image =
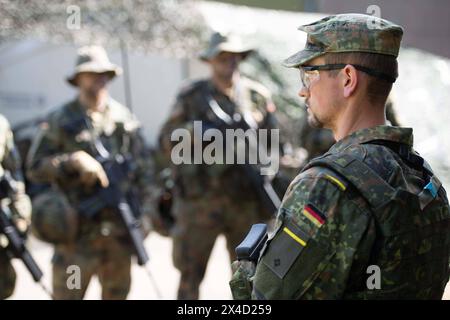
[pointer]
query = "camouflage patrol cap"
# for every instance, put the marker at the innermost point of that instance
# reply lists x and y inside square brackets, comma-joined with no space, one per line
[224,43]
[348,33]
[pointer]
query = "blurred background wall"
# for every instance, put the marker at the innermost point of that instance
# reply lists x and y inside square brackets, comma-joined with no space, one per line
[427,22]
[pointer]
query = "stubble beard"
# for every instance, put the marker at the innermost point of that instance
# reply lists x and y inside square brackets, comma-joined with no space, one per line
[313,121]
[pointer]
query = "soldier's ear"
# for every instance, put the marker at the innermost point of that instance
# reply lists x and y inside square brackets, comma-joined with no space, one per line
[349,78]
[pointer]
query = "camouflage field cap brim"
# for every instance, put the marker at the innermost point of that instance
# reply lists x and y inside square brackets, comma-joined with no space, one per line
[225,43]
[347,33]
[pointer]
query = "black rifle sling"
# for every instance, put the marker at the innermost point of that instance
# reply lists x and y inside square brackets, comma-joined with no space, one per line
[264,188]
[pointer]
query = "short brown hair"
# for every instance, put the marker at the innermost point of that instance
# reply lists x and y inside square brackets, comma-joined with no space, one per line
[377,89]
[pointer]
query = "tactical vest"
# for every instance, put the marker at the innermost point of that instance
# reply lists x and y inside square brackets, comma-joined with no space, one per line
[412,243]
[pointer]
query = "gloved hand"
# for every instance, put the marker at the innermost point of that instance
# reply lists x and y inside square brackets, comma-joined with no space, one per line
[241,283]
[90,171]
[22,225]
[21,205]
[49,168]
[157,207]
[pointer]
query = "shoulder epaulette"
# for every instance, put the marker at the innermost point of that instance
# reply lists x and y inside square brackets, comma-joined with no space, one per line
[334,179]
[368,183]
[328,174]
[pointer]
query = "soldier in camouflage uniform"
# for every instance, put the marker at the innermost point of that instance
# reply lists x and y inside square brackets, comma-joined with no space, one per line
[213,199]
[369,219]
[64,155]
[19,203]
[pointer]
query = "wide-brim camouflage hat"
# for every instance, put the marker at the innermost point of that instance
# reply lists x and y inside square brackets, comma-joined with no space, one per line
[225,43]
[348,33]
[93,59]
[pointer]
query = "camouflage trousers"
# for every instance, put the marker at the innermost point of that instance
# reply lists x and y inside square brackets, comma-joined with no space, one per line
[7,276]
[100,248]
[199,222]
[107,257]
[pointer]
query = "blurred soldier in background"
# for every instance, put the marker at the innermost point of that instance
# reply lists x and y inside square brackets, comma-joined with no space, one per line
[19,204]
[64,154]
[213,199]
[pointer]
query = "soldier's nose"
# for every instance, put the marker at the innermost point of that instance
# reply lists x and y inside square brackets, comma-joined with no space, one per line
[103,79]
[303,93]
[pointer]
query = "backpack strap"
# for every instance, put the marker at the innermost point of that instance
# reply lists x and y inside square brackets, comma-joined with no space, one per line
[414,160]
[374,189]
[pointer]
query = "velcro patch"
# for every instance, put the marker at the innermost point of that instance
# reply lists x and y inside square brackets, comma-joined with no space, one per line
[284,249]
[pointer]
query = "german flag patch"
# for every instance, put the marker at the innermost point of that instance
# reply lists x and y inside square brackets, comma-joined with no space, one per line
[314,215]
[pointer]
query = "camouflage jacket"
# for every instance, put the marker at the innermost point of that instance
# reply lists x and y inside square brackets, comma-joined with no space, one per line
[71,128]
[19,203]
[379,231]
[192,105]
